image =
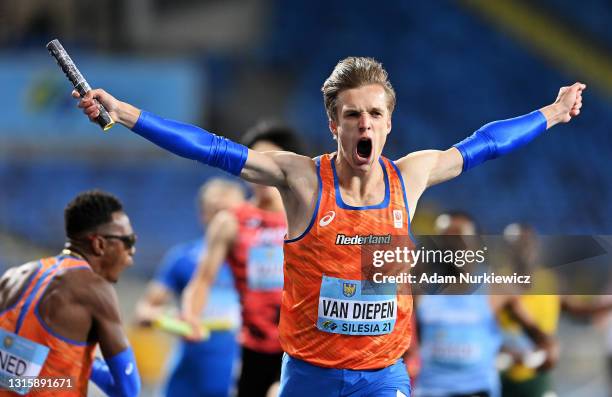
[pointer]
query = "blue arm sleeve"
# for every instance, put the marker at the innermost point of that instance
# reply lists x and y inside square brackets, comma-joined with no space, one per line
[500,137]
[118,377]
[192,142]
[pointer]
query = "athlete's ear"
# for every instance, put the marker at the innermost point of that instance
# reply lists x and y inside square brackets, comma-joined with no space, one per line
[389,125]
[333,127]
[97,244]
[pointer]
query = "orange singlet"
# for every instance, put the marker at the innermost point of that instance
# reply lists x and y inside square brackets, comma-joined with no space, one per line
[325,318]
[66,358]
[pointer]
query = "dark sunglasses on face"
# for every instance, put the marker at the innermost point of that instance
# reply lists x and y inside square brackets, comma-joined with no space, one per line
[129,240]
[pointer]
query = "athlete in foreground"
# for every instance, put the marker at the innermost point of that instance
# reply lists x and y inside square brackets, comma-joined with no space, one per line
[334,198]
[67,305]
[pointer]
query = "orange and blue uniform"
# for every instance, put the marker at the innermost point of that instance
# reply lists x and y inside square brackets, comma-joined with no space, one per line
[66,358]
[328,319]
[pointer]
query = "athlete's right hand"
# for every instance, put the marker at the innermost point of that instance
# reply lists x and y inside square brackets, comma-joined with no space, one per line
[147,315]
[197,334]
[90,108]
[120,112]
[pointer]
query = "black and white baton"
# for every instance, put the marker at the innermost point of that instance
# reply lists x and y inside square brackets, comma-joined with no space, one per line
[78,81]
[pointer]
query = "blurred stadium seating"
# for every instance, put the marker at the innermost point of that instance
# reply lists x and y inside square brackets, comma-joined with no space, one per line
[452,70]
[158,196]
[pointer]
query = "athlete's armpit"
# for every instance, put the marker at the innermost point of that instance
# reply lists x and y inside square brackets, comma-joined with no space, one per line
[103,305]
[295,177]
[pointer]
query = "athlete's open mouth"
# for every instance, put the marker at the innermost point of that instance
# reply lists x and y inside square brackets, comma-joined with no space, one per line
[364,148]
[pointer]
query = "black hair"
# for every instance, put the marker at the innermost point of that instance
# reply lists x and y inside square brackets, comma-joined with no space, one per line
[274,132]
[89,210]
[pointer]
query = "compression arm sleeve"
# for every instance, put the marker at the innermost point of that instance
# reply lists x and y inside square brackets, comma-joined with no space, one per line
[118,376]
[500,137]
[192,142]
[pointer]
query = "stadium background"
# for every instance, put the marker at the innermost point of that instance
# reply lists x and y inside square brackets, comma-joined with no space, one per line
[226,64]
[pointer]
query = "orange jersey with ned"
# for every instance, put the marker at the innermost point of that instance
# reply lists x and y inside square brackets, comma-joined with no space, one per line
[328,318]
[66,358]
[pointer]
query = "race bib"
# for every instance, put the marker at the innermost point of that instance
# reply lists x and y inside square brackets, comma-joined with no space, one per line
[344,310]
[19,358]
[456,347]
[265,267]
[223,306]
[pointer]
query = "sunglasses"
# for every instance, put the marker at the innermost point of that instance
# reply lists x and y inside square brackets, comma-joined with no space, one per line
[129,240]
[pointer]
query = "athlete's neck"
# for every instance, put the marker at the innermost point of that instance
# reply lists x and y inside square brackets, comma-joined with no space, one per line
[71,250]
[72,253]
[74,250]
[360,187]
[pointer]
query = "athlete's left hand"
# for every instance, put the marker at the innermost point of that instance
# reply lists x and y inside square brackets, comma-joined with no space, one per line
[551,347]
[569,101]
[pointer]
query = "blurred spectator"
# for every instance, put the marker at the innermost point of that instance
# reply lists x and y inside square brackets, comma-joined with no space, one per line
[250,237]
[199,368]
[521,378]
[459,335]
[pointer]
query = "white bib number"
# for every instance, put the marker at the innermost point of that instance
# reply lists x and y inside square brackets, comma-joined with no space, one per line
[265,267]
[19,358]
[344,310]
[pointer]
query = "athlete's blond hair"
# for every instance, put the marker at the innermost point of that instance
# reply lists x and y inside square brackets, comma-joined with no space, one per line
[354,72]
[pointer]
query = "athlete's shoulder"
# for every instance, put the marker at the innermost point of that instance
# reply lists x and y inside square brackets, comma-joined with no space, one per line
[294,163]
[184,249]
[416,158]
[89,288]
[14,281]
[301,173]
[18,272]
[324,159]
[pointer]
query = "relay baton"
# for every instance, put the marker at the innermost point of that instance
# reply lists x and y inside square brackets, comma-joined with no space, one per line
[78,81]
[176,326]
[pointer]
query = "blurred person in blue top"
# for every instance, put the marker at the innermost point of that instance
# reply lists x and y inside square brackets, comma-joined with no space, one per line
[459,334]
[202,369]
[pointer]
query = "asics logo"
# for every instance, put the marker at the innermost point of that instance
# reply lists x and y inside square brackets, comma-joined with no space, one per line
[326,220]
[129,369]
